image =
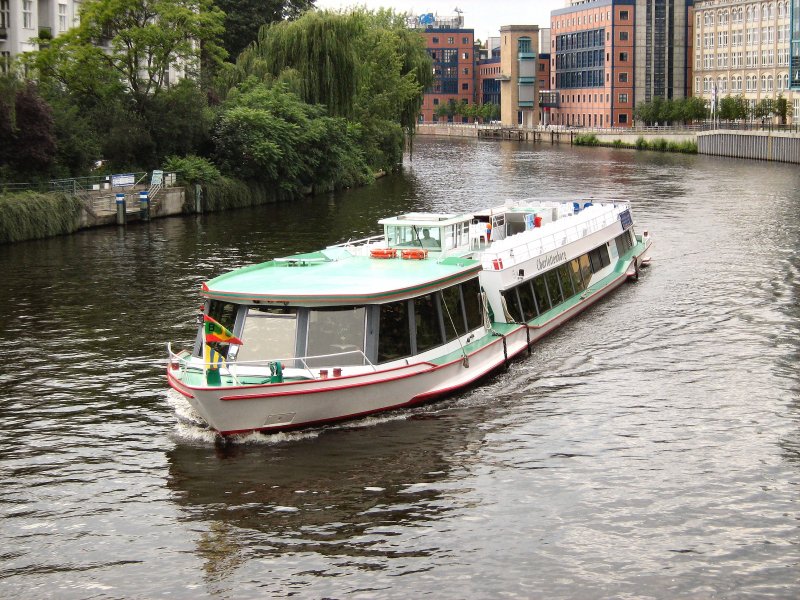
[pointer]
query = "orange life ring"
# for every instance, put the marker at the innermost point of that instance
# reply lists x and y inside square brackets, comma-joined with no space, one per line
[383,253]
[414,254]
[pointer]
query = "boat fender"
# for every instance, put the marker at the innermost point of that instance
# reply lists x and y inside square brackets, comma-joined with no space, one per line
[635,269]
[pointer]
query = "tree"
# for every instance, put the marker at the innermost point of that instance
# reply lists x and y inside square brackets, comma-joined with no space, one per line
[728,109]
[133,44]
[320,46]
[695,109]
[783,108]
[33,143]
[243,19]
[763,109]
[269,135]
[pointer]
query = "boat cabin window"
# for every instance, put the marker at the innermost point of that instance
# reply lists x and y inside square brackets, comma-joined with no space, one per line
[336,335]
[394,340]
[431,316]
[223,313]
[599,258]
[428,323]
[268,334]
[414,236]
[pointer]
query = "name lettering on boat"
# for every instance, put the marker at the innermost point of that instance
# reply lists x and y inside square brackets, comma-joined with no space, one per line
[548,260]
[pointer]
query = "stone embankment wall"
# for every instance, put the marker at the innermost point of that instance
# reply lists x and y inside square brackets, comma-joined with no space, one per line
[783,146]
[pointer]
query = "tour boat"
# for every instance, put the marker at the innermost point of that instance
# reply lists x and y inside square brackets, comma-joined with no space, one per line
[433,304]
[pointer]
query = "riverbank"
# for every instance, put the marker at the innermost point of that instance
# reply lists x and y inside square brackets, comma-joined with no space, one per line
[769,145]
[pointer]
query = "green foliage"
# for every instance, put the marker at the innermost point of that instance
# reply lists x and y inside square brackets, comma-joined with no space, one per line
[586,140]
[32,215]
[192,169]
[269,135]
[142,39]
[641,143]
[226,193]
[664,111]
[320,46]
[243,19]
[782,108]
[617,144]
[29,143]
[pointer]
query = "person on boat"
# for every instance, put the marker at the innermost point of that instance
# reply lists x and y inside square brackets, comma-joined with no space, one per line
[427,240]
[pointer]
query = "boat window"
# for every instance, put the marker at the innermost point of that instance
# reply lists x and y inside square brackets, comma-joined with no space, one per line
[540,291]
[527,299]
[512,303]
[426,319]
[413,236]
[453,314]
[337,331]
[575,275]
[566,281]
[449,237]
[225,314]
[553,288]
[471,292]
[599,258]
[394,335]
[624,242]
[268,334]
[586,270]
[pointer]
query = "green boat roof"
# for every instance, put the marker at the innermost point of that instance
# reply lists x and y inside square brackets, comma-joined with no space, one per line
[335,276]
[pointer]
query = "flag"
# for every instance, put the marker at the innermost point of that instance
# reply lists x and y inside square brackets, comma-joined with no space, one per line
[214,332]
[214,359]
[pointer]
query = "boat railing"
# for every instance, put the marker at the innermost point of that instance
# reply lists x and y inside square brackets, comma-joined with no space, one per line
[183,362]
[360,242]
[510,251]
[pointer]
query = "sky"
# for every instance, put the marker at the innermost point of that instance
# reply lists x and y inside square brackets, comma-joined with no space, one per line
[484,16]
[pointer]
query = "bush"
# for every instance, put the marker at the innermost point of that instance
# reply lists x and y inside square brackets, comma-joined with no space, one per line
[586,140]
[192,169]
[34,215]
[641,143]
[617,144]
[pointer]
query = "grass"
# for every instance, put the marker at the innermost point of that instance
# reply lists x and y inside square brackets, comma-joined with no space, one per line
[34,215]
[657,144]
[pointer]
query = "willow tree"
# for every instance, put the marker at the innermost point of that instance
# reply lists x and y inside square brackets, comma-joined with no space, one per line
[321,47]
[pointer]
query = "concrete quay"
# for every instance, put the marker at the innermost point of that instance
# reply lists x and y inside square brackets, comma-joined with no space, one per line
[773,145]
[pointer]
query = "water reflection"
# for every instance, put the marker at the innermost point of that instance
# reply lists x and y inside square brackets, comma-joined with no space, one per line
[350,493]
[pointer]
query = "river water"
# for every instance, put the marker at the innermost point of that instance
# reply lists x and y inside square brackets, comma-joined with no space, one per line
[648,449]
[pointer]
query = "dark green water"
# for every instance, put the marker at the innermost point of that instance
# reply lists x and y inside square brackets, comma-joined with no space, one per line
[650,448]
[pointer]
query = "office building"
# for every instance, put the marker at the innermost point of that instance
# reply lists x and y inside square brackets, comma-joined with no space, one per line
[608,55]
[747,48]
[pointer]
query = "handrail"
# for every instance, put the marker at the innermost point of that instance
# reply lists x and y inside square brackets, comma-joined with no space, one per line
[266,362]
[528,248]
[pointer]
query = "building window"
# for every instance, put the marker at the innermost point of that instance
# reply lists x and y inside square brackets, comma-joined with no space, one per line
[62,17]
[451,40]
[623,57]
[466,70]
[435,101]
[5,62]
[435,40]
[4,14]
[623,119]
[623,15]
[464,86]
[465,56]
[27,14]
[465,40]
[623,36]
[623,98]
[623,78]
